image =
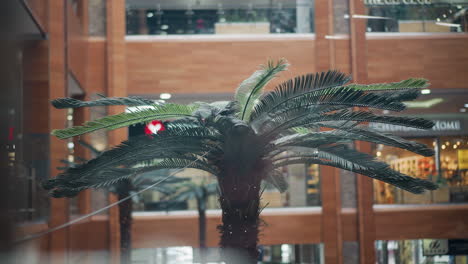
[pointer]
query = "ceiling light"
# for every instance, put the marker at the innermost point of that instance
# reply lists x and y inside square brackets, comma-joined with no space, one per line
[424,104]
[425,91]
[165,96]
[463,110]
[466,105]
[150,14]
[443,147]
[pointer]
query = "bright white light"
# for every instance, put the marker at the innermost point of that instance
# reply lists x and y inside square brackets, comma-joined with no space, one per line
[154,128]
[69,117]
[425,91]
[466,105]
[443,147]
[164,27]
[379,153]
[438,19]
[165,96]
[455,146]
[445,24]
[70,145]
[463,110]
[150,14]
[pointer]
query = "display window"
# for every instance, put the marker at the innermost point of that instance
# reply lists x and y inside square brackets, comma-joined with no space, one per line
[434,16]
[448,168]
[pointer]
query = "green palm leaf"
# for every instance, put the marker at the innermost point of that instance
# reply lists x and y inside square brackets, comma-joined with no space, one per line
[62,103]
[162,112]
[349,134]
[412,83]
[342,157]
[251,88]
[296,88]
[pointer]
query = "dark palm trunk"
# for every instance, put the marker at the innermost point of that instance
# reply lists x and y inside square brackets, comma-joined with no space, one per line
[240,200]
[125,218]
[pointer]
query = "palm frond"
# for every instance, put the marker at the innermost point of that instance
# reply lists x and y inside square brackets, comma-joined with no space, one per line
[349,134]
[251,88]
[302,118]
[342,157]
[412,83]
[300,86]
[162,112]
[62,103]
[277,179]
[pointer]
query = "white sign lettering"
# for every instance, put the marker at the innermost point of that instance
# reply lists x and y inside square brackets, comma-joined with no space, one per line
[397,2]
[440,125]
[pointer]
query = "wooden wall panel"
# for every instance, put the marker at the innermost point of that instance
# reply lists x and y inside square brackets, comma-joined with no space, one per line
[192,66]
[441,58]
[158,230]
[96,72]
[428,221]
[76,46]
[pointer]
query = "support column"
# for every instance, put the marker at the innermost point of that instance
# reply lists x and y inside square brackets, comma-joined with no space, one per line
[116,86]
[58,243]
[365,199]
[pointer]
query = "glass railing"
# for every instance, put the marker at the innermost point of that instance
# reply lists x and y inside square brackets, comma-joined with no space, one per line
[168,17]
[442,16]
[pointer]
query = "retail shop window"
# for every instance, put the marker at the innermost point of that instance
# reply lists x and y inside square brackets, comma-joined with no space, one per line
[169,17]
[428,251]
[448,168]
[416,16]
[284,253]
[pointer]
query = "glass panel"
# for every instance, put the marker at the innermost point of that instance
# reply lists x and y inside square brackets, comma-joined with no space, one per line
[427,251]
[219,17]
[417,16]
[447,167]
[285,254]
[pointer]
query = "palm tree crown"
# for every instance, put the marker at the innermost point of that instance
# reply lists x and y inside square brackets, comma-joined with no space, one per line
[308,119]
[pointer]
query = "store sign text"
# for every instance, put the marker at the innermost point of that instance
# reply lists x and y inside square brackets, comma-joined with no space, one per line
[439,125]
[397,2]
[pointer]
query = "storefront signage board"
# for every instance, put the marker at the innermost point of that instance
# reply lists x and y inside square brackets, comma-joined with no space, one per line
[442,127]
[434,247]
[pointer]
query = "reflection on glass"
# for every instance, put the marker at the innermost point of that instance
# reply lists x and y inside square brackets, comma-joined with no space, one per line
[448,168]
[285,253]
[417,16]
[219,17]
[427,251]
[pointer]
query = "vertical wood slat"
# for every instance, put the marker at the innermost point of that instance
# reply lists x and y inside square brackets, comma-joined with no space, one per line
[332,235]
[330,184]
[324,53]
[366,219]
[58,242]
[116,86]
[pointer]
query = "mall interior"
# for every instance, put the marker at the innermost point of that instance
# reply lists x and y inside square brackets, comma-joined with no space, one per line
[183,51]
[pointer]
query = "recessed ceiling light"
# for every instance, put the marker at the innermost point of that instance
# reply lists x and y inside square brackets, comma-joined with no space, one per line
[165,96]
[463,110]
[425,91]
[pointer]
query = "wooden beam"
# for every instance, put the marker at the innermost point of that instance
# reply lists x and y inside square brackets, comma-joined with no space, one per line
[57,119]
[332,235]
[324,48]
[116,86]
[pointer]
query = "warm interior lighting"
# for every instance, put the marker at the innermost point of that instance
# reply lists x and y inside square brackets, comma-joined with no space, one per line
[425,91]
[165,96]
[445,24]
[443,147]
[455,146]
[379,153]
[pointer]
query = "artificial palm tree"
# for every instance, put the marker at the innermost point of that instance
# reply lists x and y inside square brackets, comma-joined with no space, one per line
[245,141]
[185,191]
